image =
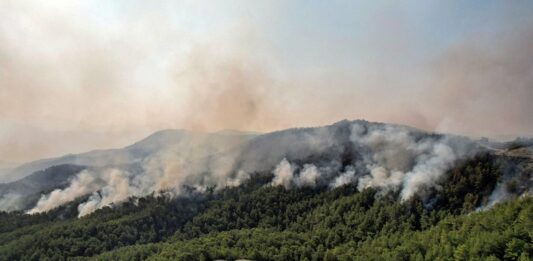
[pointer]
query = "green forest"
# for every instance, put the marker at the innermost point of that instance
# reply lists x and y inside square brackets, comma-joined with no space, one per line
[261,222]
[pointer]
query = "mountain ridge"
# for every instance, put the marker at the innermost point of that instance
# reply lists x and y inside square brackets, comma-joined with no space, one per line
[335,192]
[344,151]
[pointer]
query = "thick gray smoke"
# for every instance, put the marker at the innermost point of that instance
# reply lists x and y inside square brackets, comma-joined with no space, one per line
[397,159]
[106,187]
[175,159]
[84,183]
[11,202]
[284,175]
[344,178]
[389,158]
[517,178]
[117,189]
[111,186]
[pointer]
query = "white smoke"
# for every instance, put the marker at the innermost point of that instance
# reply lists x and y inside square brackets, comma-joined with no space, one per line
[238,179]
[291,176]
[283,174]
[85,182]
[381,178]
[399,159]
[117,189]
[428,170]
[11,202]
[308,176]
[345,178]
[161,173]
[516,181]
[499,194]
[389,158]
[107,186]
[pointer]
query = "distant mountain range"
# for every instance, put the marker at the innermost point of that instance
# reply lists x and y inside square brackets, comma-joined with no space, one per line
[165,140]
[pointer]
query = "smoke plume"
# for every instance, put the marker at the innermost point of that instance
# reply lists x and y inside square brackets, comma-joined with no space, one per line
[105,78]
[11,202]
[390,158]
[82,184]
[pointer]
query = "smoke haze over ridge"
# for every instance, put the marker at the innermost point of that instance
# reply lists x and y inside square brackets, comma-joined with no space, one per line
[389,158]
[82,76]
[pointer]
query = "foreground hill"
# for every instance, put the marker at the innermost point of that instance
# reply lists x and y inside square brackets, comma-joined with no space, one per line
[262,222]
[350,190]
[498,234]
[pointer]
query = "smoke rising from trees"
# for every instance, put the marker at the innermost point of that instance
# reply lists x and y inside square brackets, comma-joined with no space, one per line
[390,158]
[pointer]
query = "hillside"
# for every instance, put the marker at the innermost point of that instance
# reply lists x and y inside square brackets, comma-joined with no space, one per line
[24,193]
[261,222]
[351,190]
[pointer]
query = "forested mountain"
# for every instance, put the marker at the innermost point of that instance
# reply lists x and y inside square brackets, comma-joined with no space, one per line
[348,191]
[262,222]
[240,130]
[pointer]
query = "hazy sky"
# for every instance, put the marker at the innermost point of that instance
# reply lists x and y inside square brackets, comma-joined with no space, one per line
[79,75]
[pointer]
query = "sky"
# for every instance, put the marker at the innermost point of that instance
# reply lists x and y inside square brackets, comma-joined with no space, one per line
[83,75]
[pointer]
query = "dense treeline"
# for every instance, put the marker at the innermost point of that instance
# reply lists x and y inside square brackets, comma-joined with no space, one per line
[502,233]
[258,221]
[138,221]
